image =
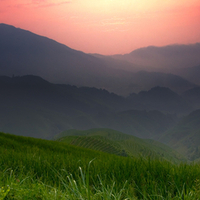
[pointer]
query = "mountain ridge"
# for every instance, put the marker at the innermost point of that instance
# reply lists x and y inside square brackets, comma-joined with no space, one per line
[164,58]
[23,53]
[42,109]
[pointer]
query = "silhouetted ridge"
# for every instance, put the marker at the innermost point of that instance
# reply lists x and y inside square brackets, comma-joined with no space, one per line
[161,98]
[28,79]
[32,106]
[170,58]
[23,53]
[159,94]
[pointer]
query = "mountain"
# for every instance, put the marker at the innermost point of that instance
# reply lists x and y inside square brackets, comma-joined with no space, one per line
[164,59]
[140,123]
[144,80]
[190,73]
[193,97]
[185,136]
[115,142]
[162,99]
[32,106]
[24,53]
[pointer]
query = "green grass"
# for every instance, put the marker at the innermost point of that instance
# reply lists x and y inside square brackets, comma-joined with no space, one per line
[40,169]
[115,142]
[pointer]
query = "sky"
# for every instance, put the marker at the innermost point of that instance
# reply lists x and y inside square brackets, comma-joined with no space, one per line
[107,26]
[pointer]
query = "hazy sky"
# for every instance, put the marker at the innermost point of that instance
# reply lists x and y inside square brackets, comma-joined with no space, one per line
[107,26]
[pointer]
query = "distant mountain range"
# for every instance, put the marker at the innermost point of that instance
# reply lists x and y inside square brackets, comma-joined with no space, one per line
[34,107]
[164,59]
[24,53]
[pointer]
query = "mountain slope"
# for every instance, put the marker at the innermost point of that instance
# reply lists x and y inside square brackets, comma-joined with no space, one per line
[191,73]
[166,58]
[185,136]
[34,107]
[162,99]
[144,80]
[23,52]
[115,142]
[193,97]
[140,123]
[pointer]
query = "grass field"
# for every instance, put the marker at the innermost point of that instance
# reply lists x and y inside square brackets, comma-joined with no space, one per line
[40,169]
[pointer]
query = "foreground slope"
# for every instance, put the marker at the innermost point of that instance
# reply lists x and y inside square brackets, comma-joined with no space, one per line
[185,136]
[39,169]
[115,142]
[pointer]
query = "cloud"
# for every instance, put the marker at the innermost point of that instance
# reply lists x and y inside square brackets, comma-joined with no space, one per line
[36,3]
[119,24]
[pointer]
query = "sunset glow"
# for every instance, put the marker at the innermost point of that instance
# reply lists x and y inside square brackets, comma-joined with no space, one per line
[107,26]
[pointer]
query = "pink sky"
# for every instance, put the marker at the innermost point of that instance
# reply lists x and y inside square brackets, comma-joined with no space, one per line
[107,26]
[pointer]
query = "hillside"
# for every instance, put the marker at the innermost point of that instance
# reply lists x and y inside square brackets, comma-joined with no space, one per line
[193,97]
[165,58]
[185,137]
[191,73]
[55,62]
[162,99]
[140,123]
[34,107]
[144,80]
[41,169]
[115,142]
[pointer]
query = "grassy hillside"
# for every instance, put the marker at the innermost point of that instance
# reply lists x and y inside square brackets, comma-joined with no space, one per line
[115,142]
[39,169]
[185,136]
